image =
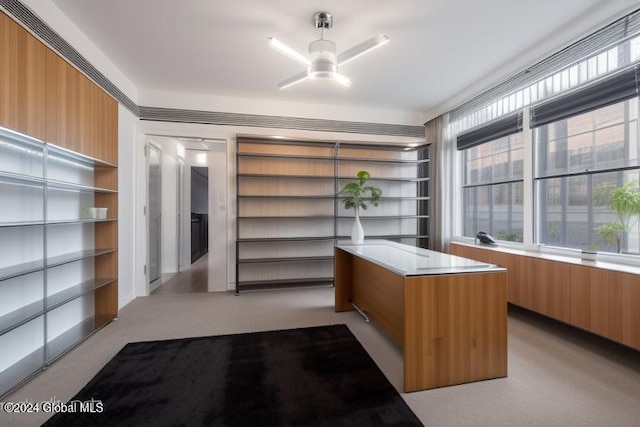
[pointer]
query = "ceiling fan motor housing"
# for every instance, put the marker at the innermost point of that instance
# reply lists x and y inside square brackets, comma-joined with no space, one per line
[323,20]
[324,62]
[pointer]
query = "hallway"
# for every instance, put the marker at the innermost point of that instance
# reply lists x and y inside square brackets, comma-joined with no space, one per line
[192,280]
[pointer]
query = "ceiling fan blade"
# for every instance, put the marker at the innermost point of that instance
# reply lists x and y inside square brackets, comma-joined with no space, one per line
[293,80]
[362,48]
[343,80]
[286,50]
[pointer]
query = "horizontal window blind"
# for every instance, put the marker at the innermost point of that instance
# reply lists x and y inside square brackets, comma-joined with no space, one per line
[610,90]
[611,35]
[493,130]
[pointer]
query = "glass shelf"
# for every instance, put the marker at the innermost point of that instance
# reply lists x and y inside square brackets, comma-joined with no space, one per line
[20,179]
[70,186]
[69,339]
[385,217]
[287,259]
[285,283]
[76,256]
[285,156]
[286,197]
[21,269]
[278,176]
[374,160]
[63,297]
[351,178]
[257,218]
[21,224]
[285,239]
[78,221]
[60,152]
[21,371]
[19,317]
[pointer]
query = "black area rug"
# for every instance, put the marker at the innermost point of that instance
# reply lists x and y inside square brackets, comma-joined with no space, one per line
[318,376]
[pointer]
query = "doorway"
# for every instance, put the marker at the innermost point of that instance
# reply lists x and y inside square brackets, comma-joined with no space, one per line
[199,212]
[194,215]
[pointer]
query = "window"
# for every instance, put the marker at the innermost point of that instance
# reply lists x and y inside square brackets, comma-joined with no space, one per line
[493,179]
[578,158]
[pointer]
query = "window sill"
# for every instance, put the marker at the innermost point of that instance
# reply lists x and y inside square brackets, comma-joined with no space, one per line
[614,262]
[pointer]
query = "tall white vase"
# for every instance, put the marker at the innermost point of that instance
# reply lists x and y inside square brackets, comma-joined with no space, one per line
[357,232]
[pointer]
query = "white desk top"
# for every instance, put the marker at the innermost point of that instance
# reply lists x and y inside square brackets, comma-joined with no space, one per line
[406,260]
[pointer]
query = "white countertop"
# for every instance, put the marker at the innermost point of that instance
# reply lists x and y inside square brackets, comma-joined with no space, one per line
[406,260]
[619,267]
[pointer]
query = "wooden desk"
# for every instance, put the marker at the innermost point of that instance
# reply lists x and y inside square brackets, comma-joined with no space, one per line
[448,313]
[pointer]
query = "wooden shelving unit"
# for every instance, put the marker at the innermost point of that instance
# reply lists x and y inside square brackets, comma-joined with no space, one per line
[289,213]
[58,156]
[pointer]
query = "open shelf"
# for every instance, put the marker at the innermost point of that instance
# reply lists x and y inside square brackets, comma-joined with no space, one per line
[286,283]
[375,160]
[21,316]
[76,256]
[21,371]
[69,339]
[288,259]
[63,297]
[39,181]
[21,269]
[289,197]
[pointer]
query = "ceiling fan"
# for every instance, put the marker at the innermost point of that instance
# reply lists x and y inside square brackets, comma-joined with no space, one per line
[323,61]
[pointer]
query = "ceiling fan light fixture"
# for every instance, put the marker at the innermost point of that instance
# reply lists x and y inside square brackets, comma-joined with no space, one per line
[323,60]
[286,50]
[343,80]
[362,48]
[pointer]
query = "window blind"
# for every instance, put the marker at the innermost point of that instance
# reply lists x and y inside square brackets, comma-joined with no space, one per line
[610,90]
[614,33]
[493,130]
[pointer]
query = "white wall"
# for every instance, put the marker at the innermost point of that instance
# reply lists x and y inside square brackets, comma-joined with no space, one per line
[127,261]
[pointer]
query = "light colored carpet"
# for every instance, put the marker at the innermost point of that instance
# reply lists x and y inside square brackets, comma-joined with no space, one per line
[558,376]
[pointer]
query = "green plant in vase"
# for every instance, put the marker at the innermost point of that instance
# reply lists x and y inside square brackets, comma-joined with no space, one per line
[359,195]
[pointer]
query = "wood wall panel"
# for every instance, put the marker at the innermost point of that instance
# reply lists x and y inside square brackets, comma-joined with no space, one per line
[22,79]
[80,116]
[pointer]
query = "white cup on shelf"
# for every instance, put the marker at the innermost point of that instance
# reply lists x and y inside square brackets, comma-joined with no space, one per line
[102,213]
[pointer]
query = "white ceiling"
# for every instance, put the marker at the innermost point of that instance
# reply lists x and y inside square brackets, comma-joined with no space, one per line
[441,51]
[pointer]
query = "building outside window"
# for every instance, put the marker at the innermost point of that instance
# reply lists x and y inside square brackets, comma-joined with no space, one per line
[576,158]
[492,191]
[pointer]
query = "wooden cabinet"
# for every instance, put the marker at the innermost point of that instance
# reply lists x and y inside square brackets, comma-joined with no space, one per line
[550,288]
[22,79]
[631,310]
[599,300]
[596,300]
